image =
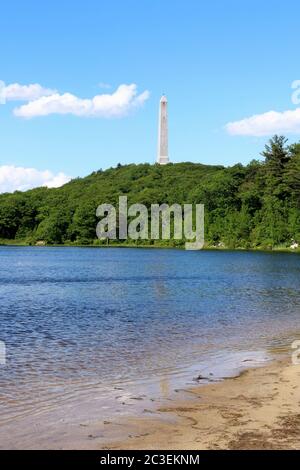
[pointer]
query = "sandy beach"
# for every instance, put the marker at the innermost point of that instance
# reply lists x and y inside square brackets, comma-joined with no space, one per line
[260,409]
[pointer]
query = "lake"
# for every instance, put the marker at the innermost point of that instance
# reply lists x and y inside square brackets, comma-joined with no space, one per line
[105,331]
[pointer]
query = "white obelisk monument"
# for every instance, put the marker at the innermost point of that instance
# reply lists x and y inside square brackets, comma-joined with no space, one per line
[163,155]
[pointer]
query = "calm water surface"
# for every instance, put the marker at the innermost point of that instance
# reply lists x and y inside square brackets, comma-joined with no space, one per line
[89,324]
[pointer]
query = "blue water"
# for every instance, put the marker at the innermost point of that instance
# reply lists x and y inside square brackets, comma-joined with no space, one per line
[79,321]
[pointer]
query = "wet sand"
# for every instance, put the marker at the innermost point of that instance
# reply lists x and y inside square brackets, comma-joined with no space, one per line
[260,409]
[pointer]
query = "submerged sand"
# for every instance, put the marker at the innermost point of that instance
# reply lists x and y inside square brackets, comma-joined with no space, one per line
[260,409]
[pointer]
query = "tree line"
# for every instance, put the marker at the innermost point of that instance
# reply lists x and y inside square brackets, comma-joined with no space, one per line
[246,206]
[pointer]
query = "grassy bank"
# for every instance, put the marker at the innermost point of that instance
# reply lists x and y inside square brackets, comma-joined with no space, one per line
[207,247]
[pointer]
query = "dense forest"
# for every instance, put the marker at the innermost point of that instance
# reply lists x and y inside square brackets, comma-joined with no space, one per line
[253,206]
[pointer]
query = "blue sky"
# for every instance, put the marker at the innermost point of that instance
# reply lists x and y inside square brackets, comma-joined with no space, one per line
[218,62]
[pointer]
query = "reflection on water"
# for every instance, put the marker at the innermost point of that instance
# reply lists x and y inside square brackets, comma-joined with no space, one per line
[76,321]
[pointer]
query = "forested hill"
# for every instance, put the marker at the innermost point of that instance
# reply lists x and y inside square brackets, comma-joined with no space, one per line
[257,205]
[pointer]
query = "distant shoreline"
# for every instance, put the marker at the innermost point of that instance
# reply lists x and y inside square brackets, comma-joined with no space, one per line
[276,249]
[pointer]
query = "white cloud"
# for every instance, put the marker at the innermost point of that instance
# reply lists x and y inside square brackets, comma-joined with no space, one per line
[17,92]
[14,178]
[117,104]
[269,123]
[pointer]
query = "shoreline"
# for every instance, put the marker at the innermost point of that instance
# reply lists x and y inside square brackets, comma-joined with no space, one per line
[258,409]
[153,247]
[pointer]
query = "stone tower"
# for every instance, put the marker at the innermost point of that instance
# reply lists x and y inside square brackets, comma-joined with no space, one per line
[163,154]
